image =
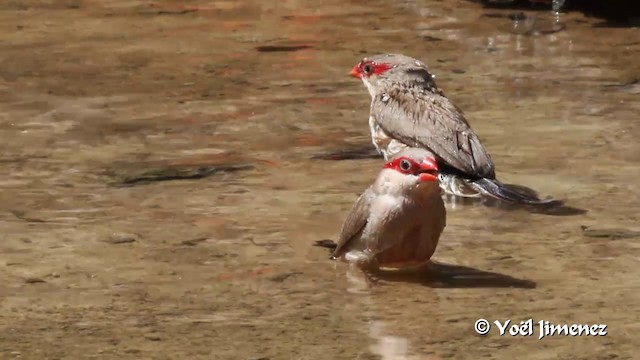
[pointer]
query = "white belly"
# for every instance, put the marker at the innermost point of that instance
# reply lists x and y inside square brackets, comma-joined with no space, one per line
[383,143]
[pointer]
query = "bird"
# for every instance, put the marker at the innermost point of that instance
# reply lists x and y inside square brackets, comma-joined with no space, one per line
[408,109]
[396,223]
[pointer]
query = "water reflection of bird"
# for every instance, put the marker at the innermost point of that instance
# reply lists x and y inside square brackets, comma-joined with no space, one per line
[397,221]
[384,343]
[409,110]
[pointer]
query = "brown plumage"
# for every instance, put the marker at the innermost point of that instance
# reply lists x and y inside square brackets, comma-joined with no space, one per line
[397,221]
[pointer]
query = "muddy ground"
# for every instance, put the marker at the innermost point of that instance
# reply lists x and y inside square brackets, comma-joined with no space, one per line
[159,195]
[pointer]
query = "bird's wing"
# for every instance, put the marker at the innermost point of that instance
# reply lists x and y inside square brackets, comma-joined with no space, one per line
[355,222]
[426,119]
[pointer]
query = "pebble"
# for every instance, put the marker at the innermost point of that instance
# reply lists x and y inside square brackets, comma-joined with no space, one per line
[194,242]
[122,238]
[33,280]
[152,337]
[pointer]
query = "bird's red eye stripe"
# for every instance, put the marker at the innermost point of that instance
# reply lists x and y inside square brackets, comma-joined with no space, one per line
[372,68]
[403,165]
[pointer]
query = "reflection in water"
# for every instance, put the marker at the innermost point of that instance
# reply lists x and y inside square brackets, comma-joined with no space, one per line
[389,347]
[557,5]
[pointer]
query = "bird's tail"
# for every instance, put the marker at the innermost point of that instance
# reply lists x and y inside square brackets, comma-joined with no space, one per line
[329,244]
[500,191]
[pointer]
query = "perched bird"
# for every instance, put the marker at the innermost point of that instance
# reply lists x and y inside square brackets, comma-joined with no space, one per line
[396,223]
[409,110]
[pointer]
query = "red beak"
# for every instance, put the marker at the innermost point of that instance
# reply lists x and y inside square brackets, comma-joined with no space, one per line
[428,170]
[355,72]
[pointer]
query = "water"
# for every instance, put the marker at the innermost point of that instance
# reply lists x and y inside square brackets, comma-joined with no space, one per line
[222,266]
[556,5]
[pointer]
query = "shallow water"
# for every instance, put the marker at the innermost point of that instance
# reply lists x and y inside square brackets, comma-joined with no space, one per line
[93,94]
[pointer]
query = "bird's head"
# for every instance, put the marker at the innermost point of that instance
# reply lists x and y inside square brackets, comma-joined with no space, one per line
[390,69]
[412,168]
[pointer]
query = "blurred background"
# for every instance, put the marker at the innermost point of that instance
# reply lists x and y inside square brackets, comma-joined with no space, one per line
[162,178]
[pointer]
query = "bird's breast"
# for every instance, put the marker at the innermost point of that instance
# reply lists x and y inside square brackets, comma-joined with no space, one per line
[386,206]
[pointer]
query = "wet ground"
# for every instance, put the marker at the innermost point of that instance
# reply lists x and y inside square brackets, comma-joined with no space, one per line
[228,101]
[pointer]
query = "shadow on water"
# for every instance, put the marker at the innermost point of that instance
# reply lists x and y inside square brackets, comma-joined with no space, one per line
[441,275]
[556,210]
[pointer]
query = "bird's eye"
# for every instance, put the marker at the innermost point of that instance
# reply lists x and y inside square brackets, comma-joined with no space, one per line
[405,165]
[367,69]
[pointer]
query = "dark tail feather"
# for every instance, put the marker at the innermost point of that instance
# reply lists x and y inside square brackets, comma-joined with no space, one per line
[329,244]
[500,191]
